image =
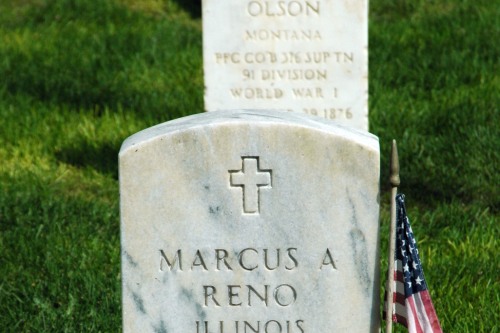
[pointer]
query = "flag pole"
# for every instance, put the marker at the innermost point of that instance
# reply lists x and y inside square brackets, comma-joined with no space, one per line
[395,181]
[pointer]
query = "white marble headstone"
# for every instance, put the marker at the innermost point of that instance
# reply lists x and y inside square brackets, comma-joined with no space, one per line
[300,55]
[250,221]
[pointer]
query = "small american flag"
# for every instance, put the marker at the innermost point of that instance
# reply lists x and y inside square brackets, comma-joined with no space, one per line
[412,302]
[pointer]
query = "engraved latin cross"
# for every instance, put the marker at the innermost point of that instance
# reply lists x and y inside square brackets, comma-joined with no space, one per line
[251,178]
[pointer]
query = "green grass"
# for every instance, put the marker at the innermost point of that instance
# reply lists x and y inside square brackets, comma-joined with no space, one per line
[78,77]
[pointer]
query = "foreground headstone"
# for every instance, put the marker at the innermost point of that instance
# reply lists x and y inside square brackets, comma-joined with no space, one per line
[250,221]
[302,56]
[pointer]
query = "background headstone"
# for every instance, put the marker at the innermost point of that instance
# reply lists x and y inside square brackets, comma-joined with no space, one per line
[250,221]
[303,56]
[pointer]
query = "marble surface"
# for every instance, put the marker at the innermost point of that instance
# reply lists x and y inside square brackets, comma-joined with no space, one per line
[250,221]
[302,56]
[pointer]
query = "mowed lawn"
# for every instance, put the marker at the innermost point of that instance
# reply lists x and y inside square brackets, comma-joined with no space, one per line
[77,77]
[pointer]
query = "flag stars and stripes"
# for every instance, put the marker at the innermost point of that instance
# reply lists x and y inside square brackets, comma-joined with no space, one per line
[413,306]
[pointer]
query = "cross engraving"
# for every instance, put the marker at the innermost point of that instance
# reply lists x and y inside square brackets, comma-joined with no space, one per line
[251,178]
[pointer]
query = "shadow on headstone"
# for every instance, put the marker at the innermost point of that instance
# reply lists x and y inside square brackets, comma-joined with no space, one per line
[193,7]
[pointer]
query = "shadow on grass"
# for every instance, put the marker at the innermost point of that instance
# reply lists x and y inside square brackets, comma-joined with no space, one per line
[193,7]
[101,157]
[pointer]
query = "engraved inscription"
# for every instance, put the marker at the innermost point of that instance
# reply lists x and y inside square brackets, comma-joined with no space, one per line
[283,8]
[251,178]
[306,56]
[241,294]
[237,295]
[243,326]
[286,35]
[270,57]
[247,259]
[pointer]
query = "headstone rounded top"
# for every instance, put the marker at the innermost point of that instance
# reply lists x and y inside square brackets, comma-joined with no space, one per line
[251,117]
